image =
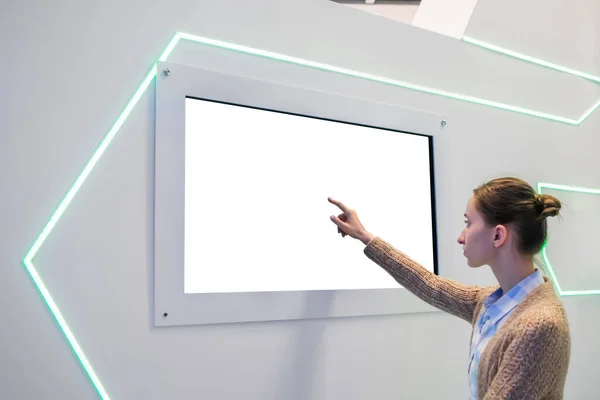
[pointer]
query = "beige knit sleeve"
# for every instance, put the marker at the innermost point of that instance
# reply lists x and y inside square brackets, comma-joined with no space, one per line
[444,294]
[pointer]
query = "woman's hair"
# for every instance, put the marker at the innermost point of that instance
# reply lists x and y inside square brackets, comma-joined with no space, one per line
[512,201]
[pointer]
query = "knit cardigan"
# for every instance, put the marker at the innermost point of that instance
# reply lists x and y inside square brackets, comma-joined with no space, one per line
[526,359]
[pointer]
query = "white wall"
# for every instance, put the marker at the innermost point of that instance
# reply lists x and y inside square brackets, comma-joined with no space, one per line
[398,12]
[446,17]
[68,69]
[557,31]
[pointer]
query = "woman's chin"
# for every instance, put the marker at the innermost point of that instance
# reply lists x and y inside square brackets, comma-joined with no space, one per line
[472,264]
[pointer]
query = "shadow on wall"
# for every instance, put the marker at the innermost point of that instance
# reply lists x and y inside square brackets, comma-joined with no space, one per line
[296,380]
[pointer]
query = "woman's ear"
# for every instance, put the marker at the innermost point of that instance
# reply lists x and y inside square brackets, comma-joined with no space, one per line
[500,235]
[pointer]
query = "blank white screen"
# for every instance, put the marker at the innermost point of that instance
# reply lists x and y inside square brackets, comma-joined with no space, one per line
[256,209]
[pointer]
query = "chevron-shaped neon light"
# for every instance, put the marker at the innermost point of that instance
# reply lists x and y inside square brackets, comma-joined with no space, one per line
[106,141]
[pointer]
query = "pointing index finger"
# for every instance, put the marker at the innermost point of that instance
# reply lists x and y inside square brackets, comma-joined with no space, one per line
[341,205]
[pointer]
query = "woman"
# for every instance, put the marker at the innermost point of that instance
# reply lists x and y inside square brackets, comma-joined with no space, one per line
[520,342]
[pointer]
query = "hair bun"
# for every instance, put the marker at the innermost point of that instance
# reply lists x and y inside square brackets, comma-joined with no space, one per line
[547,205]
[538,203]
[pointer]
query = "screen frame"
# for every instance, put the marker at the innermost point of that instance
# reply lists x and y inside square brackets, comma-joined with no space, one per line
[172,306]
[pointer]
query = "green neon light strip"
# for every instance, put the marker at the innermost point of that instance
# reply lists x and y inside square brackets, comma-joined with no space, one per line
[170,47]
[568,188]
[589,112]
[90,165]
[28,260]
[72,192]
[376,78]
[565,188]
[533,60]
[65,329]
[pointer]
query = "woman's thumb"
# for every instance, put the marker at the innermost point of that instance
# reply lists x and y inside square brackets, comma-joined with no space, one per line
[341,224]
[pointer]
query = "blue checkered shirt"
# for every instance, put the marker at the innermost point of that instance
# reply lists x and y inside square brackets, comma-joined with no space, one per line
[496,308]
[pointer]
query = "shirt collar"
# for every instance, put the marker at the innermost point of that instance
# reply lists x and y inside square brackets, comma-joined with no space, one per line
[498,304]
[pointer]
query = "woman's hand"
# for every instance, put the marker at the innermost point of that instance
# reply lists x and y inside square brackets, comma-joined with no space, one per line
[349,224]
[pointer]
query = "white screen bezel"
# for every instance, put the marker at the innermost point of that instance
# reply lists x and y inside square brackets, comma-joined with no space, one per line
[172,306]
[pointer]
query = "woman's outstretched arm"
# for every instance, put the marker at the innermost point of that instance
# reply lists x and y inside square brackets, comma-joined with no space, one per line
[444,294]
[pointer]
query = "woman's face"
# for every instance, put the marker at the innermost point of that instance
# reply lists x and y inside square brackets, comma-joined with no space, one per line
[477,238]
